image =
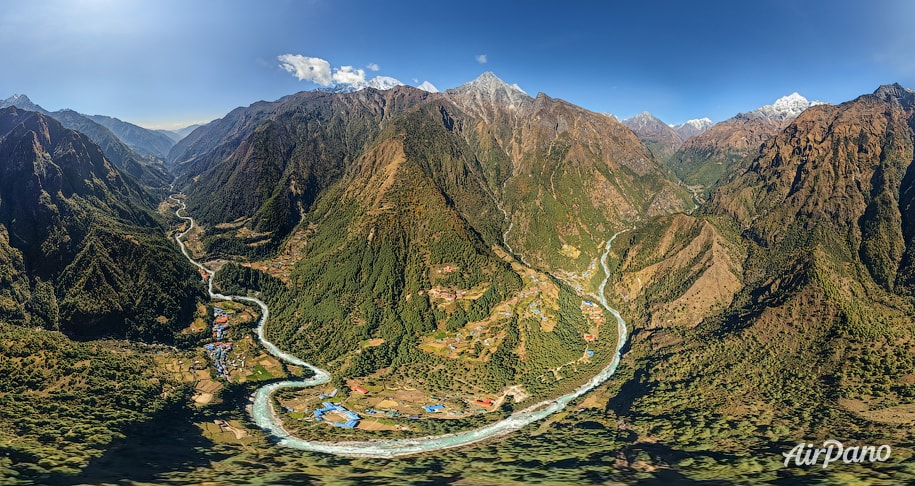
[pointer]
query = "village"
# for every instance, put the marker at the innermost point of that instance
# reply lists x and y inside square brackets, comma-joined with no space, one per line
[229,355]
[374,407]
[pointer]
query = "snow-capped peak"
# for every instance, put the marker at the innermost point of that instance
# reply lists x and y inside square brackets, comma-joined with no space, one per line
[378,82]
[691,128]
[381,82]
[517,88]
[427,86]
[786,107]
[699,123]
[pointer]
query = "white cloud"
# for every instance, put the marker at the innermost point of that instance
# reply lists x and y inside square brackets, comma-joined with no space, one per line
[481,58]
[344,78]
[349,75]
[373,66]
[304,68]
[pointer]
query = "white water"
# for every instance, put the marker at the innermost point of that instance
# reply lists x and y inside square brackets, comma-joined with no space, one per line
[266,418]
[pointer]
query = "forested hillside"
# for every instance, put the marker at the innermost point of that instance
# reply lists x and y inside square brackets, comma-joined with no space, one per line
[81,245]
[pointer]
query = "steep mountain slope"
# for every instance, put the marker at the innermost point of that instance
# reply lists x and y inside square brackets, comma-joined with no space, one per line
[842,174]
[146,168]
[660,138]
[705,158]
[270,161]
[786,309]
[397,255]
[145,142]
[73,221]
[566,177]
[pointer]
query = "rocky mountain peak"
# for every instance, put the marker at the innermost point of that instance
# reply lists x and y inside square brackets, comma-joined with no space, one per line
[642,120]
[21,101]
[896,92]
[491,85]
[488,95]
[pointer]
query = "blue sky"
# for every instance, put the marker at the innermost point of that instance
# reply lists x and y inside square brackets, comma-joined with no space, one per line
[165,62]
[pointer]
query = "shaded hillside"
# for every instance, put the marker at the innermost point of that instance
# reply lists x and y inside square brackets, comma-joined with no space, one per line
[269,162]
[146,168]
[81,239]
[150,143]
[67,403]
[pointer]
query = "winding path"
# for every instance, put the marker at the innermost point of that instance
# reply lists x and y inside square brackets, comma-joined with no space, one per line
[266,418]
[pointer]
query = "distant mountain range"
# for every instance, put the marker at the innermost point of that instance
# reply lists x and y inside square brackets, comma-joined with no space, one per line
[136,150]
[177,135]
[661,138]
[143,141]
[711,155]
[377,82]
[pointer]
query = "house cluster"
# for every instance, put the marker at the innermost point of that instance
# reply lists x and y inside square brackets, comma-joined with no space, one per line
[596,314]
[593,311]
[219,350]
[352,418]
[219,353]
[535,309]
[447,294]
